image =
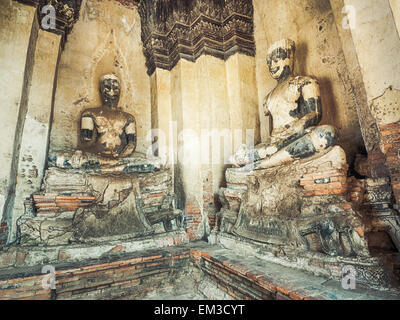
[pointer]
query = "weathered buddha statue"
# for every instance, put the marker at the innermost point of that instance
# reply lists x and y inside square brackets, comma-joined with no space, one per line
[295,108]
[106,130]
[107,134]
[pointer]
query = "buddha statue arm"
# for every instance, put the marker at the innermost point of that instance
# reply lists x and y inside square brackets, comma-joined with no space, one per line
[87,127]
[130,132]
[307,114]
[308,109]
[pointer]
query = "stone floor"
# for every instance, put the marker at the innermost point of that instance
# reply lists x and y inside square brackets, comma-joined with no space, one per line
[202,272]
[178,295]
[300,284]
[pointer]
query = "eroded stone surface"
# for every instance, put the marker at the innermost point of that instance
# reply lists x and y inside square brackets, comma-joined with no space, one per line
[124,204]
[302,206]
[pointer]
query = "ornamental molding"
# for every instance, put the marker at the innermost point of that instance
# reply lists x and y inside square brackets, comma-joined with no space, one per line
[175,29]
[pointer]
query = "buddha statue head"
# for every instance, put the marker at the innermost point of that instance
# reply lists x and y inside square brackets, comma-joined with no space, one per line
[110,89]
[281,59]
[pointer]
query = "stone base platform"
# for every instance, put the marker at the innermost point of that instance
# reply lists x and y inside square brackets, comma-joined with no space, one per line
[369,271]
[303,215]
[85,207]
[304,205]
[29,256]
[195,271]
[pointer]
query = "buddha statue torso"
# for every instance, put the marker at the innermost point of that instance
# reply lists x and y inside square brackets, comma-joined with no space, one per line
[113,127]
[107,134]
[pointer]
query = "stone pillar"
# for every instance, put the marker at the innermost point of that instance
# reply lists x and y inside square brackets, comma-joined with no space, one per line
[161,115]
[18,33]
[395,6]
[375,45]
[35,134]
[207,89]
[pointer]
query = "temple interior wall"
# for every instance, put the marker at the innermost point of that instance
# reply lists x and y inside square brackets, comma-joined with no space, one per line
[205,109]
[357,68]
[376,21]
[105,39]
[18,33]
[32,158]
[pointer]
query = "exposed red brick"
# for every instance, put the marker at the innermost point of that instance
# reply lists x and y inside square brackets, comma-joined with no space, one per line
[119,248]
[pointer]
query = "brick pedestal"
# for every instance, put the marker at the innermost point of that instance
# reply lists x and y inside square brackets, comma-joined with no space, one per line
[390,135]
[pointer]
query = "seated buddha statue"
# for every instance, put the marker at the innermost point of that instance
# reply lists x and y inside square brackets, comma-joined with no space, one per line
[295,108]
[107,134]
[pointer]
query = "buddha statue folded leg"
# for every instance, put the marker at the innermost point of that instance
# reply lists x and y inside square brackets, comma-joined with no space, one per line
[313,142]
[93,163]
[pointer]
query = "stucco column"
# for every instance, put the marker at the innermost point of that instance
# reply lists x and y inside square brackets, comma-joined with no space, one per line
[35,133]
[18,33]
[373,28]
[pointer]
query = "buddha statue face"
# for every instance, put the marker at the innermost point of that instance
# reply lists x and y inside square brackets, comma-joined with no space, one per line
[281,59]
[110,89]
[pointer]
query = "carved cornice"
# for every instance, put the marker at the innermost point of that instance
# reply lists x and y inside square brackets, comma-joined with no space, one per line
[175,29]
[129,3]
[67,12]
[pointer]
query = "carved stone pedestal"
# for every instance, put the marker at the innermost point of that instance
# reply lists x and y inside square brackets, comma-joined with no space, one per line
[297,211]
[78,206]
[378,207]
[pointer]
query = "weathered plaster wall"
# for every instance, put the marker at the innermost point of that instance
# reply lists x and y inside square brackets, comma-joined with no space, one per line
[367,121]
[395,6]
[35,133]
[205,109]
[105,39]
[377,44]
[18,32]
[319,53]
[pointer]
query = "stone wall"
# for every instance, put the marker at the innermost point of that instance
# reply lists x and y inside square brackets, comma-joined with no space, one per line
[375,44]
[114,278]
[33,152]
[105,39]
[18,33]
[203,272]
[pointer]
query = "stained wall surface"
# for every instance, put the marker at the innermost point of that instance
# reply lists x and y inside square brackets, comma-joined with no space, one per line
[105,39]
[311,25]
[35,133]
[17,37]
[206,110]
[377,43]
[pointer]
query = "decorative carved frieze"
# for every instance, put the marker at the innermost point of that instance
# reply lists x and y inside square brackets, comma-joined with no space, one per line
[129,3]
[175,29]
[66,14]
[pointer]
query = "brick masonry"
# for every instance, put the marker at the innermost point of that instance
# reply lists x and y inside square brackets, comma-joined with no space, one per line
[3,234]
[193,220]
[209,200]
[327,182]
[116,277]
[133,276]
[249,278]
[390,140]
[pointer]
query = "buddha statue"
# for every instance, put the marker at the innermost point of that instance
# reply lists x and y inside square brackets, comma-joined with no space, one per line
[108,137]
[106,130]
[295,107]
